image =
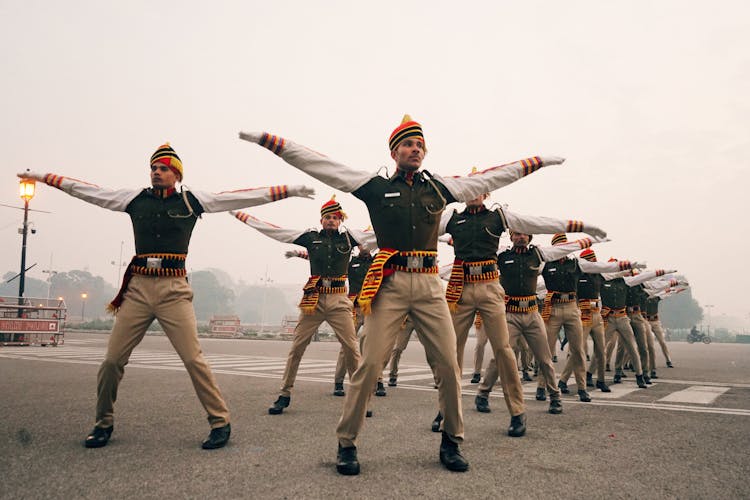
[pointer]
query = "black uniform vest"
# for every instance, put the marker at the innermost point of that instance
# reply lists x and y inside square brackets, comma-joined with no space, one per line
[329,252]
[519,271]
[358,267]
[589,285]
[405,217]
[162,225]
[561,275]
[614,293]
[475,236]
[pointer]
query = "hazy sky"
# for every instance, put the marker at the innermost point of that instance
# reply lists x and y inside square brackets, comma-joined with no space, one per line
[648,101]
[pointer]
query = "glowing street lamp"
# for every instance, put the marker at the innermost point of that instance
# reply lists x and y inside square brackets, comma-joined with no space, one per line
[83,306]
[26,190]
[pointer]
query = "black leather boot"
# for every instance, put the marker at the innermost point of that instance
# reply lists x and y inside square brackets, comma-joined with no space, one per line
[279,405]
[380,390]
[669,364]
[436,422]
[641,383]
[584,396]
[563,387]
[517,427]
[618,378]
[475,378]
[392,382]
[555,406]
[540,394]
[602,386]
[525,376]
[589,379]
[217,438]
[98,437]
[482,404]
[338,389]
[450,455]
[346,461]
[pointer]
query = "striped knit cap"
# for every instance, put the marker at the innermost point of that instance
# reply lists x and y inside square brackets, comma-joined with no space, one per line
[167,156]
[408,128]
[588,254]
[559,239]
[332,207]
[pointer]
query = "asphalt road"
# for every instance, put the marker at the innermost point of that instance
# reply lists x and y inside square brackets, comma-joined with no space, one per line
[654,443]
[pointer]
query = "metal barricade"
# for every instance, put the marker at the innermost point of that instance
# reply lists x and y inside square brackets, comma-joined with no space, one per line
[32,321]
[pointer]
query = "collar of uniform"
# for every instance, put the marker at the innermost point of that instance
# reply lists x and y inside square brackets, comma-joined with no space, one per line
[475,210]
[406,176]
[521,249]
[162,193]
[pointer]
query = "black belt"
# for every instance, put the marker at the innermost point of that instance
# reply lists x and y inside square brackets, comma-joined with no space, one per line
[487,268]
[521,303]
[413,262]
[157,263]
[566,296]
[331,283]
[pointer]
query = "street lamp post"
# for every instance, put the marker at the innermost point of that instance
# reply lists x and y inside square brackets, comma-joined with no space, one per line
[26,190]
[119,265]
[83,306]
[266,280]
[709,306]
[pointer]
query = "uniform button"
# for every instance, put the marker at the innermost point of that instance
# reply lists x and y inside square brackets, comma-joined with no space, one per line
[414,227]
[158,236]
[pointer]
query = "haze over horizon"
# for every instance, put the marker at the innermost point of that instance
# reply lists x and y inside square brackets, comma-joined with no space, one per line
[648,103]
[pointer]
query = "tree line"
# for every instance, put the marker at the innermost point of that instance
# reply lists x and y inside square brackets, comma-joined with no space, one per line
[215,293]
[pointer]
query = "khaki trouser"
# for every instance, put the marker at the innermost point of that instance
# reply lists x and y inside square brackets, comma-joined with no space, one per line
[625,337]
[479,349]
[567,315]
[336,310]
[659,333]
[641,333]
[170,302]
[531,326]
[422,297]
[523,353]
[340,373]
[649,344]
[402,342]
[596,330]
[488,298]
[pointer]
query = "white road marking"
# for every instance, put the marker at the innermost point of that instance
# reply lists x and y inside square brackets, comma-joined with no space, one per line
[697,394]
[268,367]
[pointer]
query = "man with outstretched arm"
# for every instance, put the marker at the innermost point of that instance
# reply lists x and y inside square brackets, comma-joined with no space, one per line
[474,286]
[324,295]
[561,309]
[155,284]
[617,325]
[405,213]
[519,269]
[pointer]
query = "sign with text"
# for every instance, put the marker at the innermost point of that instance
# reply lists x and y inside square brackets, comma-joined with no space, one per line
[20,325]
